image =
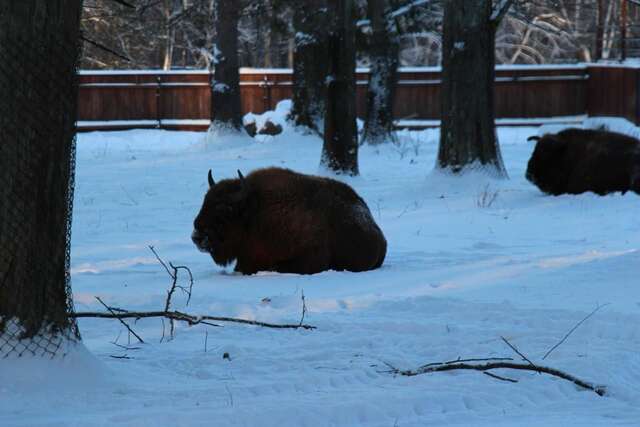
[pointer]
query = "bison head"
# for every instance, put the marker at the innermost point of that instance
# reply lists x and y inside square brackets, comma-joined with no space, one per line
[546,167]
[220,224]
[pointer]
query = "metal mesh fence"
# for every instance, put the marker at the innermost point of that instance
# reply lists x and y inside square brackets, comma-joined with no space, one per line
[39,47]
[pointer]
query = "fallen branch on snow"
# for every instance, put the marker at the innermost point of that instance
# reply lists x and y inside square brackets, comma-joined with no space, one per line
[451,366]
[174,315]
[185,317]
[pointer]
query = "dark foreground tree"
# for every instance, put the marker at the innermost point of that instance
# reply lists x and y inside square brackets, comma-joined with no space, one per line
[383,51]
[310,63]
[340,148]
[39,47]
[467,133]
[226,112]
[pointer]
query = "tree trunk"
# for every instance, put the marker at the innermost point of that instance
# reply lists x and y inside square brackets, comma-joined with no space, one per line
[226,112]
[467,133]
[340,148]
[623,30]
[310,64]
[384,49]
[599,30]
[39,47]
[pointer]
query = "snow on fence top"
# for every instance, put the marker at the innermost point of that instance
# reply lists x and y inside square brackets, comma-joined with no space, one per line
[250,71]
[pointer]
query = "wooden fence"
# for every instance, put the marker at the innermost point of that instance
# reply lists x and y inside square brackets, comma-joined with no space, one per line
[524,94]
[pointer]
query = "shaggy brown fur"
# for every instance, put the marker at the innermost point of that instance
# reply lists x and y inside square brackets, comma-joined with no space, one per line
[279,220]
[578,160]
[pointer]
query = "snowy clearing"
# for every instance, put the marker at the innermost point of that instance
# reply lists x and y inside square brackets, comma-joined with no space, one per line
[470,259]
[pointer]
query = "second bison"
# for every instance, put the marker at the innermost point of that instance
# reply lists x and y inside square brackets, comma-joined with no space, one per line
[575,161]
[279,220]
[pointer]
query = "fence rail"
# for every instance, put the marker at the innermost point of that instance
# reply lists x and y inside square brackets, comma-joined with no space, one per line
[181,99]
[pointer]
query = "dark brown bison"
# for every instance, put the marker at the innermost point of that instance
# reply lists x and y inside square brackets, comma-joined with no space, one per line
[279,220]
[574,161]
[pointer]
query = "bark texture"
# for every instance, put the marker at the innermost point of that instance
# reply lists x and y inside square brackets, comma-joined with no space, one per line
[225,85]
[39,47]
[310,63]
[340,148]
[383,50]
[467,133]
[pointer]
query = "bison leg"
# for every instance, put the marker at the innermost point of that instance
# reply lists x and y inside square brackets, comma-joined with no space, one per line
[245,267]
[310,262]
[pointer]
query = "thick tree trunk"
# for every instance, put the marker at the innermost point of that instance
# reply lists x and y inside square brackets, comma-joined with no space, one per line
[467,133]
[384,48]
[340,148]
[600,30]
[310,64]
[623,30]
[226,112]
[39,47]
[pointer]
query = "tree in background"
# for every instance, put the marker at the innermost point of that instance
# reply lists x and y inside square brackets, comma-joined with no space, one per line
[225,84]
[37,153]
[340,148]
[266,34]
[383,56]
[310,64]
[467,133]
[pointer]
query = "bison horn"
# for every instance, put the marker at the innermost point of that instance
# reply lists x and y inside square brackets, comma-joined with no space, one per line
[533,138]
[241,176]
[210,179]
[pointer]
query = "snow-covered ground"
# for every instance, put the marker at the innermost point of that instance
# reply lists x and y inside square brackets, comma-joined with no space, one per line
[470,259]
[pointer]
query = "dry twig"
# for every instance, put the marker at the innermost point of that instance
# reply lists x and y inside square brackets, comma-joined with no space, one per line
[518,352]
[573,329]
[112,311]
[304,309]
[498,377]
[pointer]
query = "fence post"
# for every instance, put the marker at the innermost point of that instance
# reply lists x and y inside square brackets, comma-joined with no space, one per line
[266,97]
[158,103]
[636,95]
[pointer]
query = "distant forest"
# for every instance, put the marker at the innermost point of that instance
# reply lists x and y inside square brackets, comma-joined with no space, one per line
[175,34]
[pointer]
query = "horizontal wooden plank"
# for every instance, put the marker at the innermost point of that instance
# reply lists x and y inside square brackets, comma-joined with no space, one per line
[520,92]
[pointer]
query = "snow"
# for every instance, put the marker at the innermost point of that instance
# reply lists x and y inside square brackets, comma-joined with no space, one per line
[277,116]
[470,259]
[530,121]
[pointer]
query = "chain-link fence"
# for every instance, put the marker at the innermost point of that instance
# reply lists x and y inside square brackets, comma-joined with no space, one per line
[39,47]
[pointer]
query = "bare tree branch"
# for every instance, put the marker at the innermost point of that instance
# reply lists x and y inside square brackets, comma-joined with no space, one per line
[498,377]
[106,49]
[112,311]
[185,317]
[124,3]
[518,352]
[573,329]
[500,10]
[442,367]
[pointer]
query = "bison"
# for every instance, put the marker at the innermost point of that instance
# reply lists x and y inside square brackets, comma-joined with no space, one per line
[279,220]
[574,161]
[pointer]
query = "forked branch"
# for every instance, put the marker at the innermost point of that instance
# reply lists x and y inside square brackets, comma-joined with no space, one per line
[451,366]
[189,318]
